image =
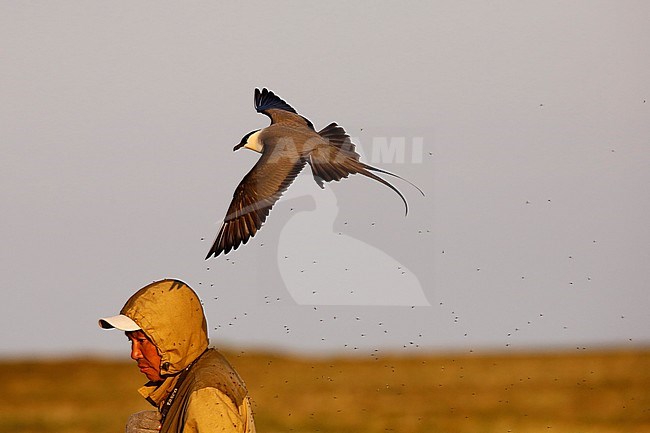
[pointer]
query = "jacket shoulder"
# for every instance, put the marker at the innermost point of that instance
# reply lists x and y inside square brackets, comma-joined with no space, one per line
[213,370]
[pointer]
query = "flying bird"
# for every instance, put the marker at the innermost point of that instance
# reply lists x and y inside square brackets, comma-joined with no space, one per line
[287,145]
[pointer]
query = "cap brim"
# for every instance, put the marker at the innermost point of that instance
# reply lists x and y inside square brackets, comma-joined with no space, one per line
[120,322]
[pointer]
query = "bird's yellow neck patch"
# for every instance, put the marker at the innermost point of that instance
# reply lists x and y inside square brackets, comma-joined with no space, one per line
[254,142]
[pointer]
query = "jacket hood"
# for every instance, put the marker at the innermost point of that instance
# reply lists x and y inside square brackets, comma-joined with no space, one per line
[171,315]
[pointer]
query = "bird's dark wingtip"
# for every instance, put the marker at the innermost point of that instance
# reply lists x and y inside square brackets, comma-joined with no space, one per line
[266,100]
[215,250]
[211,254]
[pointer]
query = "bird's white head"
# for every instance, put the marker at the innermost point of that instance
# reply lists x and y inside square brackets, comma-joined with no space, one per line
[251,141]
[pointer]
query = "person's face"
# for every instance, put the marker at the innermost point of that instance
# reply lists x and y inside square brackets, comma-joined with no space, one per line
[145,353]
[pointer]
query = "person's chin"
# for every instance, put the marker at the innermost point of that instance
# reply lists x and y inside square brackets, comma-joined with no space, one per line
[154,379]
[150,374]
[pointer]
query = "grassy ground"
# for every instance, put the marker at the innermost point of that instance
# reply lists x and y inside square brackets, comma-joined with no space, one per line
[572,393]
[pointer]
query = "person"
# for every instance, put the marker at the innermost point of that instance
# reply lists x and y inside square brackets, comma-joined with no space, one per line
[193,387]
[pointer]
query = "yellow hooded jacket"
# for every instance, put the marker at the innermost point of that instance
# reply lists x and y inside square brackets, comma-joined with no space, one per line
[211,397]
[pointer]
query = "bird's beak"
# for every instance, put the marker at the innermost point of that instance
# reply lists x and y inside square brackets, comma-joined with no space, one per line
[239,146]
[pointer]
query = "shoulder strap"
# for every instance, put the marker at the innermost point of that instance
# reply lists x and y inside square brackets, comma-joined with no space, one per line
[172,395]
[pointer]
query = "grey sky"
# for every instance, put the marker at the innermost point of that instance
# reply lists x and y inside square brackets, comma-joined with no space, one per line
[526,124]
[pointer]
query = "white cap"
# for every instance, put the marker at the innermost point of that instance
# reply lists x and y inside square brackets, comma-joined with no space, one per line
[121,322]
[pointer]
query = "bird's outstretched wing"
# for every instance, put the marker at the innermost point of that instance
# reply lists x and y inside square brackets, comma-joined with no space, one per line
[253,199]
[337,137]
[267,102]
